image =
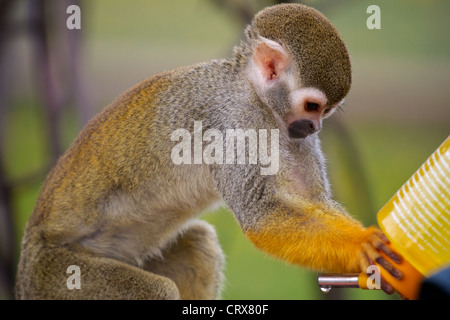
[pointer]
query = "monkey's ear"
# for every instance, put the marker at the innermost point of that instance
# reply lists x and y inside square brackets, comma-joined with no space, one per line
[270,58]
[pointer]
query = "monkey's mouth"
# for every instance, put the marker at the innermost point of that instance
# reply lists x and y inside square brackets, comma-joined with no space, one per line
[301,129]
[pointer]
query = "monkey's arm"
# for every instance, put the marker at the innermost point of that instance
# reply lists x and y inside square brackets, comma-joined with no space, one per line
[320,237]
[311,235]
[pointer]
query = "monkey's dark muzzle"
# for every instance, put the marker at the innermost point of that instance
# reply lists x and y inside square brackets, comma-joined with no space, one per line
[301,128]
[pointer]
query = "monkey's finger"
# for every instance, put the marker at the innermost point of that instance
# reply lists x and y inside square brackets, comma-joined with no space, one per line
[379,241]
[364,261]
[371,251]
[374,255]
[386,287]
[389,268]
[381,235]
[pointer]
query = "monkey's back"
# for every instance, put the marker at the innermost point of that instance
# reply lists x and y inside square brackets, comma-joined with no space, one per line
[116,191]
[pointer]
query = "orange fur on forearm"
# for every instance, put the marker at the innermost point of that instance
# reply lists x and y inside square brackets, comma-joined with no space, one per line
[322,241]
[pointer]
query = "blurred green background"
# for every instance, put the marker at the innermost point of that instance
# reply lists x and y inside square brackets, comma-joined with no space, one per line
[396,115]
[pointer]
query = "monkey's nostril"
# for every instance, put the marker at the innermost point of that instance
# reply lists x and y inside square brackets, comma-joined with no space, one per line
[311,106]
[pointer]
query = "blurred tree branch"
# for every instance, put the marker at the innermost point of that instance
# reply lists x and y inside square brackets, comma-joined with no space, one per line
[43,18]
[46,81]
[7,248]
[7,245]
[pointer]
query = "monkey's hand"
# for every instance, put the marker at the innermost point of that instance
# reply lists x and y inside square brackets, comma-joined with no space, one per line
[370,253]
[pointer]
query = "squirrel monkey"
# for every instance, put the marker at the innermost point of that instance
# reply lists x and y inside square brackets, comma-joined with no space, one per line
[120,209]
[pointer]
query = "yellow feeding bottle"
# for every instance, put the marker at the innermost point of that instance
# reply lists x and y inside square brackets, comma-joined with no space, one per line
[417,222]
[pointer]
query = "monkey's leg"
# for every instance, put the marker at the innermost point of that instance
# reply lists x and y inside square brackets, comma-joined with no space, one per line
[194,262]
[43,274]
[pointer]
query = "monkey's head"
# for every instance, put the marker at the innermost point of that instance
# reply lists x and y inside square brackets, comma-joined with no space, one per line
[299,65]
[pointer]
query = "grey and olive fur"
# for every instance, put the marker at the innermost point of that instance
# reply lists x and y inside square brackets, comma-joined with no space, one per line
[118,207]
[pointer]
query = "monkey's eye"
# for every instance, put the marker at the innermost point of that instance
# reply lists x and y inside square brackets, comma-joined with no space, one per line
[326,110]
[311,106]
